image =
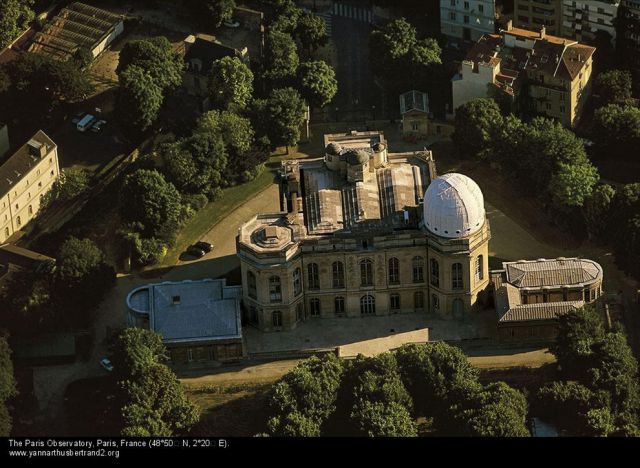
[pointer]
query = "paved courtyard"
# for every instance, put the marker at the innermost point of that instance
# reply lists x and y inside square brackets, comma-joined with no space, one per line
[369,335]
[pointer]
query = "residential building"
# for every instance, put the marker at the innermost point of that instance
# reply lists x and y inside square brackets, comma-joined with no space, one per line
[584,19]
[198,320]
[628,34]
[467,19]
[534,14]
[541,74]
[417,121]
[531,295]
[25,177]
[364,232]
[77,26]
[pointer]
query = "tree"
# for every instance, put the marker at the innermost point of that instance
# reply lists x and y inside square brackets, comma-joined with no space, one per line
[139,100]
[496,410]
[280,57]
[15,16]
[149,199]
[82,277]
[613,87]
[376,419]
[134,350]
[293,425]
[311,31]
[236,131]
[156,404]
[577,332]
[434,375]
[280,116]
[617,128]
[230,83]
[477,121]
[572,184]
[318,84]
[7,386]
[597,210]
[157,57]
[400,57]
[285,16]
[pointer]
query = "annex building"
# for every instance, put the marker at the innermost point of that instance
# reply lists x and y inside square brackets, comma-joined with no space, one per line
[198,320]
[364,232]
[531,294]
[26,175]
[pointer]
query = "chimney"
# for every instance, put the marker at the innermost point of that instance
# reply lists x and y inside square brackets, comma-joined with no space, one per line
[543,32]
[37,149]
[509,25]
[4,140]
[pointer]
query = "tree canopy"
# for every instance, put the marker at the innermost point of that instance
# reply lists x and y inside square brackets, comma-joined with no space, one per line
[15,16]
[613,87]
[311,31]
[139,100]
[476,125]
[149,199]
[280,116]
[7,386]
[156,57]
[318,84]
[230,83]
[280,57]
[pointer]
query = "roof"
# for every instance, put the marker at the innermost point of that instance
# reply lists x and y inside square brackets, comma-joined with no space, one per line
[205,49]
[76,26]
[414,101]
[453,206]
[510,308]
[552,273]
[18,165]
[12,254]
[189,311]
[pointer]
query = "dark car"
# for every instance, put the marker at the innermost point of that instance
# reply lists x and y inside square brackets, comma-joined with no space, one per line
[202,245]
[195,251]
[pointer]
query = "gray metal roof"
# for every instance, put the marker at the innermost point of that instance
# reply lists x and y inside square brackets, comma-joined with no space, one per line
[510,308]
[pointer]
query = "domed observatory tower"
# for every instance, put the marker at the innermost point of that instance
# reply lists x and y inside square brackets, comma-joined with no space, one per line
[458,237]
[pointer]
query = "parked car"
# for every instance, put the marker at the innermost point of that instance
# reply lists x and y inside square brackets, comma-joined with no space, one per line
[98,126]
[195,252]
[231,23]
[205,246]
[85,123]
[106,364]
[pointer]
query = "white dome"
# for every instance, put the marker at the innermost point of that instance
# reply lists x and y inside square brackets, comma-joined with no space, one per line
[453,206]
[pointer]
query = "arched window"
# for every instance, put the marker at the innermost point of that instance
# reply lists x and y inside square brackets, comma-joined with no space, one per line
[18,221]
[418,269]
[339,305]
[479,268]
[418,300]
[314,307]
[297,281]
[30,209]
[456,276]
[366,272]
[435,272]
[314,278]
[251,285]
[277,318]
[394,302]
[338,274]
[394,271]
[367,305]
[275,290]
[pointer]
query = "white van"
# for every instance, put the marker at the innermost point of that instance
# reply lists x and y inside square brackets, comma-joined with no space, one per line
[85,122]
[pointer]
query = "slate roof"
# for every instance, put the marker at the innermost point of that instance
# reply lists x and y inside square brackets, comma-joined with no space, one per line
[552,273]
[510,308]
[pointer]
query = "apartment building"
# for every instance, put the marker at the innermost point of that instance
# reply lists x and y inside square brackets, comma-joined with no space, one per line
[628,39]
[580,20]
[543,74]
[25,176]
[534,14]
[467,19]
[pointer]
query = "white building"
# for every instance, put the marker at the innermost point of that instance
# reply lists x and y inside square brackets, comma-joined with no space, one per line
[582,19]
[25,176]
[467,19]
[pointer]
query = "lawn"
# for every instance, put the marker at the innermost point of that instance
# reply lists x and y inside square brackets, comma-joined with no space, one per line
[230,410]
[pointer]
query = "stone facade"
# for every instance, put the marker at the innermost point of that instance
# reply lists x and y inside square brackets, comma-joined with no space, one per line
[467,19]
[290,274]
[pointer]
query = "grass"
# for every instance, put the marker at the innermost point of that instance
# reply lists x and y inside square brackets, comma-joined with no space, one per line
[230,410]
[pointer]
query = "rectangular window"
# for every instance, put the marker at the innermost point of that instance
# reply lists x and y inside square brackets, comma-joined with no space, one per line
[452,15]
[339,305]
[466,20]
[466,5]
[395,301]
[481,8]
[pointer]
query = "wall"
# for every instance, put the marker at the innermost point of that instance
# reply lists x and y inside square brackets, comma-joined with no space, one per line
[469,84]
[249,19]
